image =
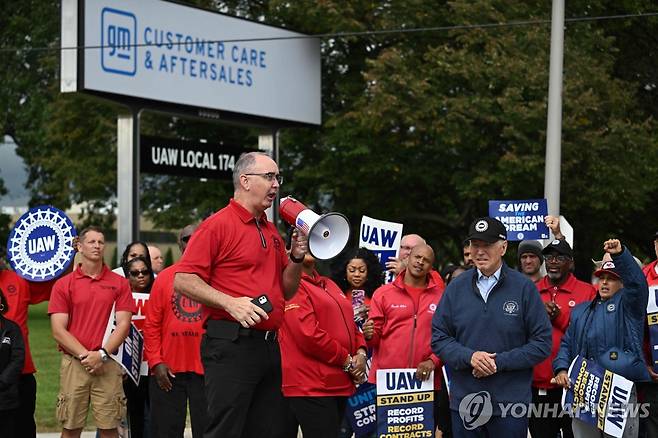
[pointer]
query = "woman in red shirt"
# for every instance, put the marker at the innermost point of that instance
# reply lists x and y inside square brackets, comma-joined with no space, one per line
[323,353]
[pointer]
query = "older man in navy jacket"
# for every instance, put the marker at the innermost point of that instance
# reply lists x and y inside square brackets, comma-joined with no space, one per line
[491,328]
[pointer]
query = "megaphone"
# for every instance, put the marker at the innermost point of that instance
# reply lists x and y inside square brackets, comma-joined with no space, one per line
[327,234]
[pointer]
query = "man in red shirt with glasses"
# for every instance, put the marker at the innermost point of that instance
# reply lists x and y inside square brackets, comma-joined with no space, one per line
[237,267]
[560,291]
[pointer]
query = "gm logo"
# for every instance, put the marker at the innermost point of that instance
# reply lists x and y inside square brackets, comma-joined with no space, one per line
[119,42]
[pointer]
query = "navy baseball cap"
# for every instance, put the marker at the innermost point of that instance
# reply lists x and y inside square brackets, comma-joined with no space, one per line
[487,229]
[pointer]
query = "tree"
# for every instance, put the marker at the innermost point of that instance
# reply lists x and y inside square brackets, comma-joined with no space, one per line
[421,128]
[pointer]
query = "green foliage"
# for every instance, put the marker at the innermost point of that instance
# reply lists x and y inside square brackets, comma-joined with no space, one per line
[169,257]
[421,128]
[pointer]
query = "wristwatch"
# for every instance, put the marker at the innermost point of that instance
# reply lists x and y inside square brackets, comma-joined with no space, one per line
[104,356]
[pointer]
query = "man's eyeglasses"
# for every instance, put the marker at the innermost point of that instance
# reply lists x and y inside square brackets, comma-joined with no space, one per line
[557,258]
[185,239]
[270,176]
[143,272]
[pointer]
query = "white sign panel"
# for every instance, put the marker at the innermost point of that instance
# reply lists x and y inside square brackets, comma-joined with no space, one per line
[383,238]
[179,54]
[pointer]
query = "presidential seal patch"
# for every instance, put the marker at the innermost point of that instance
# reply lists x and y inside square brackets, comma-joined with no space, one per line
[40,247]
[511,308]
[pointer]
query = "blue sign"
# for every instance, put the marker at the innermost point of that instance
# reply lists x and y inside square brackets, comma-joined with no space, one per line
[40,247]
[523,219]
[130,353]
[598,397]
[361,410]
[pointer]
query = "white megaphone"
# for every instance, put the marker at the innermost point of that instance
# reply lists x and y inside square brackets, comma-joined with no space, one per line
[327,234]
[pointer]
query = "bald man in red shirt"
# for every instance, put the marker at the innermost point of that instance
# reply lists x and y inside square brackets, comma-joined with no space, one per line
[234,257]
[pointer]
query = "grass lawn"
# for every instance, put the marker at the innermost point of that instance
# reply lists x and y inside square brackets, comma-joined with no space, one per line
[46,359]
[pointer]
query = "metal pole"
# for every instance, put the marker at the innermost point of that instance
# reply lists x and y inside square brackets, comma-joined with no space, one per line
[554,123]
[269,143]
[127,179]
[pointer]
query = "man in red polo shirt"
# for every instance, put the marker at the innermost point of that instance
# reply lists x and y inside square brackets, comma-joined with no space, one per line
[560,291]
[172,338]
[20,293]
[79,309]
[234,257]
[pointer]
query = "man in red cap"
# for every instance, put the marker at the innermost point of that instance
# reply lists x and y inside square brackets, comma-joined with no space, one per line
[560,291]
[609,329]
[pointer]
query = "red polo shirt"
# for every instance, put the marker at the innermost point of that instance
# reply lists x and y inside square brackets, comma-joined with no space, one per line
[569,294]
[235,256]
[88,302]
[20,294]
[173,327]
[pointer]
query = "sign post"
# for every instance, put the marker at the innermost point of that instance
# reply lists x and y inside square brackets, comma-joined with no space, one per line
[179,59]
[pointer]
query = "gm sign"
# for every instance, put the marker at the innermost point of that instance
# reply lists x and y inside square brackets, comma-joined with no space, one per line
[119,42]
[190,60]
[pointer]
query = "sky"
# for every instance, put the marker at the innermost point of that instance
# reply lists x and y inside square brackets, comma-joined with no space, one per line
[14,174]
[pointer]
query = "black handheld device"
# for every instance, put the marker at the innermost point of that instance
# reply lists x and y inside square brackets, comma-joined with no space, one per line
[263,302]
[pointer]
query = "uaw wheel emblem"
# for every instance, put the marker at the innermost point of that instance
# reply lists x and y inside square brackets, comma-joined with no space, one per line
[39,247]
[481,226]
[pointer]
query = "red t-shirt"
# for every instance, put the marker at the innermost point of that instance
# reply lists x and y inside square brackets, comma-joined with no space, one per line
[567,295]
[237,256]
[20,293]
[173,327]
[88,302]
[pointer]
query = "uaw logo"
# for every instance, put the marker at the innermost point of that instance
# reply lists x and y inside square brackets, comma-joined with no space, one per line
[40,247]
[119,42]
[481,226]
[475,409]
[185,309]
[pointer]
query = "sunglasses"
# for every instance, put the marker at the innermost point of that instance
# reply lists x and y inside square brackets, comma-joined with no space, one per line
[185,239]
[143,272]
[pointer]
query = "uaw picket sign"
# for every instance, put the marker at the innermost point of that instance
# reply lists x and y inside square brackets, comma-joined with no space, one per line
[130,353]
[652,320]
[599,397]
[186,158]
[383,238]
[40,247]
[405,405]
